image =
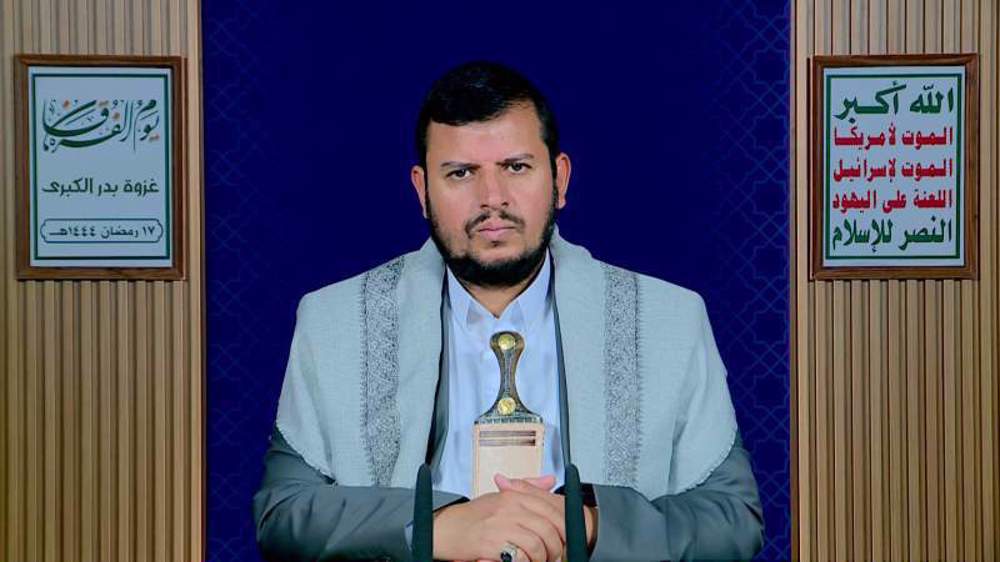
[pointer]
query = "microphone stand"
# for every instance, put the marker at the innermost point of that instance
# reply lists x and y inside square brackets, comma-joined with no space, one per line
[422,545]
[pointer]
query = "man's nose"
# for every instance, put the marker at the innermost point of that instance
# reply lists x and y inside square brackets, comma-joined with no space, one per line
[493,190]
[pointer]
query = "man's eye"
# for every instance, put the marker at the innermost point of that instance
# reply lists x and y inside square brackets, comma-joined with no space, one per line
[460,173]
[518,167]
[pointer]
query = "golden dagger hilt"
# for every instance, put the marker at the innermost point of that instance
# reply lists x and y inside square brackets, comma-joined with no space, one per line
[508,408]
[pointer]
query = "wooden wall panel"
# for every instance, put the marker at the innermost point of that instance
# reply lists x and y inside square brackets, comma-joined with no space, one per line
[101,414]
[895,383]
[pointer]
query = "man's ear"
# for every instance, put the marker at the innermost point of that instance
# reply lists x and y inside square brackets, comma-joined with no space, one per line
[563,170]
[418,177]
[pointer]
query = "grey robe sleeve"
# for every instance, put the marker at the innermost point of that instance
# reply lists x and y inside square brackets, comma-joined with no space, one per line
[301,514]
[720,519]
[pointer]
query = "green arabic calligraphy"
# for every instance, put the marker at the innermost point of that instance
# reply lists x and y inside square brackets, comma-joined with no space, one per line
[80,125]
[932,103]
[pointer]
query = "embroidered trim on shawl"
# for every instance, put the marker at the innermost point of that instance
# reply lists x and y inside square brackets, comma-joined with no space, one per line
[380,381]
[621,381]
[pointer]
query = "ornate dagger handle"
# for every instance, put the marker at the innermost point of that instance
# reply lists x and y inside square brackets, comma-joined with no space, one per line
[508,346]
[508,438]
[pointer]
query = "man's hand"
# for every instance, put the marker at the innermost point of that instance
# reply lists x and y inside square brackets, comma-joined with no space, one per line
[539,488]
[481,528]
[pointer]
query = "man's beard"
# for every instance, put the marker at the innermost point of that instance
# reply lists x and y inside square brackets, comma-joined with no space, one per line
[501,274]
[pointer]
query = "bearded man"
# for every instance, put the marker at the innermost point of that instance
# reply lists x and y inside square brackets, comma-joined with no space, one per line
[390,369]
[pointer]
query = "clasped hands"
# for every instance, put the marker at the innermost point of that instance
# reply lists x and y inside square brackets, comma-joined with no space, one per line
[524,513]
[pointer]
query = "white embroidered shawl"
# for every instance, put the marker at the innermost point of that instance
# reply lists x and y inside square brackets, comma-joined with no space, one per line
[649,404]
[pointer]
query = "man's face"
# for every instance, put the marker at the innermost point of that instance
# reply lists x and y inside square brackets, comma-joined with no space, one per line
[490,194]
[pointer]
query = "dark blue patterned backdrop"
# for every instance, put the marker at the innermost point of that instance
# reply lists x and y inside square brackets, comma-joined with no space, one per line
[676,119]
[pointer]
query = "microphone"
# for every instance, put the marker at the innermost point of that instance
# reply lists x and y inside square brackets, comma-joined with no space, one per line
[422,546]
[576,528]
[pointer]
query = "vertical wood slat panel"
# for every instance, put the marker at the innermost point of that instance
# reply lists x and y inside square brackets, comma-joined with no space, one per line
[32,451]
[87,512]
[876,461]
[7,495]
[950,307]
[125,401]
[970,43]
[70,422]
[107,307]
[89,422]
[162,363]
[932,33]
[841,319]
[895,383]
[70,375]
[857,22]
[951,363]
[13,353]
[823,539]
[824,350]
[194,298]
[100,445]
[990,332]
[179,486]
[913,380]
[162,461]
[162,358]
[141,498]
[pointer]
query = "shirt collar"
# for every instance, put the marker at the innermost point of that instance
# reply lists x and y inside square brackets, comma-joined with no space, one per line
[520,314]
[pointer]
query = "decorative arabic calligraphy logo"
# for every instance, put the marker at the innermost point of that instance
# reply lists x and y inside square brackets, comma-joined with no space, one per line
[78,125]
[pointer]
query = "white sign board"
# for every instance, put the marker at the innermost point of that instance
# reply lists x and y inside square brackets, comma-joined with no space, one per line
[100,169]
[893,167]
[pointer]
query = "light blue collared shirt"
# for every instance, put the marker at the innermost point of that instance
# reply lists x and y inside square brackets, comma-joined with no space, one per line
[474,374]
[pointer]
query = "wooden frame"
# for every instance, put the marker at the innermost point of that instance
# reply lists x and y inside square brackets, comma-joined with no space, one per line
[178,192]
[969,136]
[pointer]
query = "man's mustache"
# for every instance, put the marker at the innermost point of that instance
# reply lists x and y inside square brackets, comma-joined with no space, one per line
[483,217]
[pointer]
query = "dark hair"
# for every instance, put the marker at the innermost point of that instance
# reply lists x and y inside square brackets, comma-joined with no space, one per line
[479,91]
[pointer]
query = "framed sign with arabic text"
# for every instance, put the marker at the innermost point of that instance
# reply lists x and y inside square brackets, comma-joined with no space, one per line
[100,167]
[894,167]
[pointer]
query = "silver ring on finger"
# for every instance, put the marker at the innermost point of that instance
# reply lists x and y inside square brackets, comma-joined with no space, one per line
[509,553]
